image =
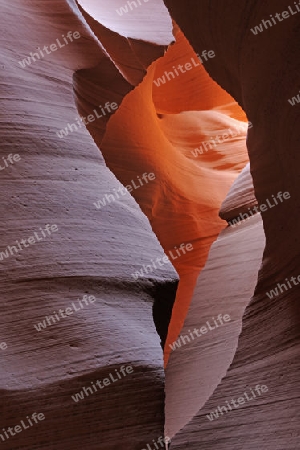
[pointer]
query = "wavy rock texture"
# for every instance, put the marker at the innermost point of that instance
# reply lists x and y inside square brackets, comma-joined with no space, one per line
[187,128]
[201,359]
[57,181]
[240,198]
[261,76]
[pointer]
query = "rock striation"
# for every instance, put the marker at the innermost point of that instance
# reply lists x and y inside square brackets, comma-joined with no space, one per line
[126,130]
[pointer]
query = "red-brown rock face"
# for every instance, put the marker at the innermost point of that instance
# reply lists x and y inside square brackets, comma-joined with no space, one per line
[261,72]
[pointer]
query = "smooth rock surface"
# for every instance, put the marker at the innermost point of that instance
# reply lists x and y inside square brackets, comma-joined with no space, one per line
[240,197]
[200,359]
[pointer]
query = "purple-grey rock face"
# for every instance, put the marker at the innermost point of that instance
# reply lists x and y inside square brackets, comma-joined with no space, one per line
[79,343]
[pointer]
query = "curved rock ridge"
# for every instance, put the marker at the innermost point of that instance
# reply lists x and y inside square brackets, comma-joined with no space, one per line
[240,198]
[259,66]
[130,56]
[183,72]
[71,313]
[146,20]
[207,343]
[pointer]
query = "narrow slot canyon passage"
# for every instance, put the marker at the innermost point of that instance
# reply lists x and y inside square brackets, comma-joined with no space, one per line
[149,252]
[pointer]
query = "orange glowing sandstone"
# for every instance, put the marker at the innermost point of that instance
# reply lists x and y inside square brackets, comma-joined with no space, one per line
[156,130]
